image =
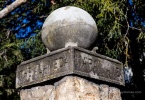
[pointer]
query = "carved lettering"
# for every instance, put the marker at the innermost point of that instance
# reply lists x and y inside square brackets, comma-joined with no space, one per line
[46,70]
[36,73]
[30,74]
[24,75]
[86,59]
[118,72]
[68,62]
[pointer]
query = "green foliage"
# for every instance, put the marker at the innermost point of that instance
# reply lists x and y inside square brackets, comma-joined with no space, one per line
[33,47]
[9,51]
[109,18]
[12,52]
[10,57]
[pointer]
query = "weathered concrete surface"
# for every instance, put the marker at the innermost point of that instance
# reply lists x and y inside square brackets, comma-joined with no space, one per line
[69,26]
[71,60]
[71,88]
[114,94]
[38,93]
[104,91]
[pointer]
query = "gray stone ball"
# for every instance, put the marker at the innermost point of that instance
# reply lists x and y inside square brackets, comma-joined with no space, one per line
[69,26]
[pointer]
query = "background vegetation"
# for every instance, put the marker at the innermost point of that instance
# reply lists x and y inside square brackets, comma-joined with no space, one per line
[121,25]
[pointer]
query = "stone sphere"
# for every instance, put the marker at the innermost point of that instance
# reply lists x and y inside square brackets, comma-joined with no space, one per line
[69,26]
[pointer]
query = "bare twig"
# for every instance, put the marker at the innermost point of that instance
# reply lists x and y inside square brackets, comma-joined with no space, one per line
[8,34]
[127,23]
[128,26]
[10,8]
[53,2]
[135,28]
[5,57]
[43,16]
[2,53]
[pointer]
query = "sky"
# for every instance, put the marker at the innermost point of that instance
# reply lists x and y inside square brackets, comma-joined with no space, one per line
[26,26]
[135,16]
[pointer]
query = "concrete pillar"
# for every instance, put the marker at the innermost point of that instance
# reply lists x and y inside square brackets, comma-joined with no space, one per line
[68,31]
[71,88]
[70,61]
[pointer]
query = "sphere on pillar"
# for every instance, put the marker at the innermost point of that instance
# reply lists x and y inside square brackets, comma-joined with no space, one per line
[69,26]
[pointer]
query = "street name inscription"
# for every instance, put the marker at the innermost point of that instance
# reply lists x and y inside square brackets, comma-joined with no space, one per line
[71,60]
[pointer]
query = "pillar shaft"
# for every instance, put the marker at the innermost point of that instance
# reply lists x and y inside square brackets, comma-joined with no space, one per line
[71,88]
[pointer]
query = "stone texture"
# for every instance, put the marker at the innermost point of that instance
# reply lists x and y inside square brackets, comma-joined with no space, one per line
[71,88]
[76,89]
[104,90]
[69,26]
[71,60]
[38,93]
[114,94]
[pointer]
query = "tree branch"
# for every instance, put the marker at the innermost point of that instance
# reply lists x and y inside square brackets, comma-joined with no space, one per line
[10,8]
[126,23]
[135,28]
[53,2]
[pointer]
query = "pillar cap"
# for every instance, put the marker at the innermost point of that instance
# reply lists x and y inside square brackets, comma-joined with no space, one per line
[69,26]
